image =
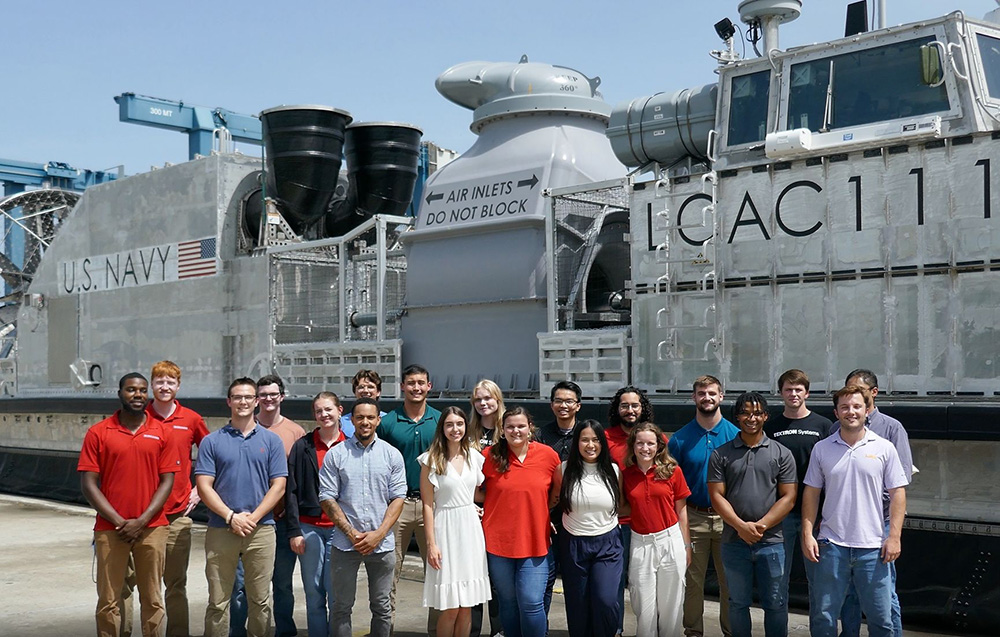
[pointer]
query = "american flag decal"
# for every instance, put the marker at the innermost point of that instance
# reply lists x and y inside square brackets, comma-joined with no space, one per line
[196,258]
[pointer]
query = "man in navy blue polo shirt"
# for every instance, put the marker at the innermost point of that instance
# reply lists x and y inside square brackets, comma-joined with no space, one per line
[692,447]
[240,475]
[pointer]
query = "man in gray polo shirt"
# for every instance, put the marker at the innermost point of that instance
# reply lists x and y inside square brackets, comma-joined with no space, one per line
[853,466]
[752,484]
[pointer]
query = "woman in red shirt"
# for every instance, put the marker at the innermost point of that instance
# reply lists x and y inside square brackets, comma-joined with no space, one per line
[522,482]
[656,492]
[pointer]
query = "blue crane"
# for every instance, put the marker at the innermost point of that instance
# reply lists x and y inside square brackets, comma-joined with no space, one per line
[16,176]
[199,122]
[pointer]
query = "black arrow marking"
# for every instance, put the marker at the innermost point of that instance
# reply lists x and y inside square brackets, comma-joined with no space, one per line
[436,197]
[530,183]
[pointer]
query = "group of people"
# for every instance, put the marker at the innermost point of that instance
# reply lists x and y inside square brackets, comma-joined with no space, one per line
[499,507]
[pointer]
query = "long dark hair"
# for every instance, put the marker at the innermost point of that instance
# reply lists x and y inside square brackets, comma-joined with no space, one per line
[500,450]
[574,465]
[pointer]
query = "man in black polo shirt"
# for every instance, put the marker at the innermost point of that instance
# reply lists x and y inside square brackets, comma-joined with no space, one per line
[564,399]
[751,480]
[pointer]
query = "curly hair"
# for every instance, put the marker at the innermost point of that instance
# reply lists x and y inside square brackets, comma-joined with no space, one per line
[647,408]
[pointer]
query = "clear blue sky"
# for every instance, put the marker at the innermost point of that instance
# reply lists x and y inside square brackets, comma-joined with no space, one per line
[64,61]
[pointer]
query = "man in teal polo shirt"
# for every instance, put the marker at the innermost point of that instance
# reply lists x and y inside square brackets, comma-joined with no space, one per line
[410,429]
[692,447]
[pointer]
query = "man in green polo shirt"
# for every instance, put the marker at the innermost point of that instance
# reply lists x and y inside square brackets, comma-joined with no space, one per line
[410,429]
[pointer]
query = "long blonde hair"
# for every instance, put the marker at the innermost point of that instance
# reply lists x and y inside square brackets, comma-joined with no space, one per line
[437,453]
[663,463]
[475,429]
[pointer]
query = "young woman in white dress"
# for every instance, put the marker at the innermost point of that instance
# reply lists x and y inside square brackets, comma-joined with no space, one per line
[457,578]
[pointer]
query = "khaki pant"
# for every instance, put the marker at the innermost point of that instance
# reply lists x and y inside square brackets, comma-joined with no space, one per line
[706,540]
[411,521]
[174,579]
[223,550]
[175,575]
[112,563]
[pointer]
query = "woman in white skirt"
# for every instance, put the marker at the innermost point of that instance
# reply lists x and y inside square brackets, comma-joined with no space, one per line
[456,550]
[656,492]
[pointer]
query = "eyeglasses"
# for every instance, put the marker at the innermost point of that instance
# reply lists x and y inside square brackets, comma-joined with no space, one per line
[630,407]
[242,399]
[565,403]
[752,414]
[269,396]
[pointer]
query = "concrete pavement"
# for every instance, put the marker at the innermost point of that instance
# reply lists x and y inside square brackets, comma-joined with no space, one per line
[47,581]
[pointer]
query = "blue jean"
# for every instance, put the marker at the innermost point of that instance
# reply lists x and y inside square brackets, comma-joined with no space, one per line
[838,568]
[281,596]
[520,584]
[314,565]
[764,563]
[850,614]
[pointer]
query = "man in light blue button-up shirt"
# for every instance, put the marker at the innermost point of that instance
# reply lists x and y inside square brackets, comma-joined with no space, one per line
[362,488]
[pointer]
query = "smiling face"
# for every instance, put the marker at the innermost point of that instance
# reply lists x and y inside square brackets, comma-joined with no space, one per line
[242,401]
[367,389]
[133,395]
[453,428]
[484,402]
[516,430]
[327,413]
[751,419]
[365,419]
[415,388]
[645,447]
[565,405]
[270,397]
[629,409]
[851,412]
[165,388]
[707,399]
[590,445]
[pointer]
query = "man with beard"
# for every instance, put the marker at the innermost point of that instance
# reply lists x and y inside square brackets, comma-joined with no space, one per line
[362,488]
[127,471]
[628,408]
[692,447]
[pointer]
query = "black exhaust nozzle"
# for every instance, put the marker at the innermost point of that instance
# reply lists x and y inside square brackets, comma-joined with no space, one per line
[304,147]
[382,160]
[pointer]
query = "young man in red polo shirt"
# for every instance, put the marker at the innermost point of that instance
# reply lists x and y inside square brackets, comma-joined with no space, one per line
[127,471]
[184,429]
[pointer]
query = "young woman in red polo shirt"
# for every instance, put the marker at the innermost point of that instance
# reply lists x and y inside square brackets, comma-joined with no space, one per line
[521,483]
[656,493]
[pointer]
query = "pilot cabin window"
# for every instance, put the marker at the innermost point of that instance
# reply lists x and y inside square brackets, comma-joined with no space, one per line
[989,51]
[748,108]
[862,87]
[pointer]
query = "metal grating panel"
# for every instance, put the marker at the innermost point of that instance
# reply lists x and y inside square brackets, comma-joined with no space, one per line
[304,293]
